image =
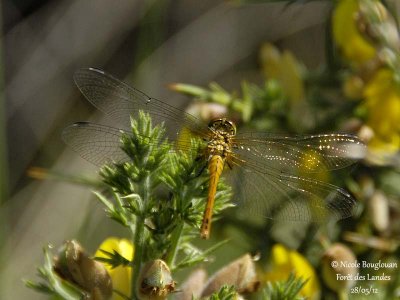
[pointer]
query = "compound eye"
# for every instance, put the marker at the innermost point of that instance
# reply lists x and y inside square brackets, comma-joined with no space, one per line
[214,124]
[232,128]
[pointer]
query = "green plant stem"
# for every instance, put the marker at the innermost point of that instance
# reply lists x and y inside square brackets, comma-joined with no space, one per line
[138,241]
[4,180]
[394,284]
[4,192]
[139,237]
[342,294]
[175,240]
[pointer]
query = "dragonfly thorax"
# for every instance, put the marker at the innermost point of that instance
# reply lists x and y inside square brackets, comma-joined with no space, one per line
[222,130]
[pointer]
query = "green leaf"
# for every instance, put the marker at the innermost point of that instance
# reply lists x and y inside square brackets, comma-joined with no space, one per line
[194,256]
[53,284]
[284,290]
[114,259]
[225,293]
[39,287]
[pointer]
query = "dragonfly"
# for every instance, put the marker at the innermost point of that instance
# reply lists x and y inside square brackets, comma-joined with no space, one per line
[273,174]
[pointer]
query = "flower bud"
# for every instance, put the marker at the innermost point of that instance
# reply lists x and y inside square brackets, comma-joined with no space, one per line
[379,211]
[241,273]
[155,281]
[74,265]
[366,133]
[339,267]
[388,56]
[192,286]
[207,111]
[377,23]
[367,186]
[353,87]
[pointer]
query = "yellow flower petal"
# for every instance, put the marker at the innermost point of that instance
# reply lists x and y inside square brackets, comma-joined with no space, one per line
[346,34]
[382,100]
[284,68]
[121,276]
[280,255]
[285,261]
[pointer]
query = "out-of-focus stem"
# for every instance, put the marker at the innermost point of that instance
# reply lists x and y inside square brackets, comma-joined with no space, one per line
[343,294]
[43,174]
[139,235]
[3,161]
[138,241]
[3,138]
[175,239]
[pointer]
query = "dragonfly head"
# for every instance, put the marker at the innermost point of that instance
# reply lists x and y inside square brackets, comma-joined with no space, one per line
[223,126]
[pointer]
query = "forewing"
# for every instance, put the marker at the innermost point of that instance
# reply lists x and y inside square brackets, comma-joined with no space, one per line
[298,154]
[120,101]
[96,143]
[286,197]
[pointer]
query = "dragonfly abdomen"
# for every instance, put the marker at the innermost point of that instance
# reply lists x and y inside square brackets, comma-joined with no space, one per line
[215,168]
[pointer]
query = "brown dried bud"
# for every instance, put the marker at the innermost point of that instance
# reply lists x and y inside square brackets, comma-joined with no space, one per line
[192,286]
[241,273]
[339,267]
[367,186]
[379,243]
[379,211]
[155,281]
[74,265]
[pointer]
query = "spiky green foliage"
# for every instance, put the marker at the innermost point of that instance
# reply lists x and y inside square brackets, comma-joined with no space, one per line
[114,259]
[160,195]
[284,290]
[163,188]
[225,293]
[51,283]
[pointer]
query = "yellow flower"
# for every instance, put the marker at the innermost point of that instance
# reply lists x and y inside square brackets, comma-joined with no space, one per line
[382,100]
[347,35]
[285,261]
[284,68]
[287,71]
[121,276]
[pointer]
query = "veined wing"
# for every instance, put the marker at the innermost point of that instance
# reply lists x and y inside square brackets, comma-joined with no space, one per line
[305,154]
[101,144]
[119,101]
[281,196]
[96,143]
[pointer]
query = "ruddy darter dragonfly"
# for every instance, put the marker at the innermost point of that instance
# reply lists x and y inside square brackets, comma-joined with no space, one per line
[273,173]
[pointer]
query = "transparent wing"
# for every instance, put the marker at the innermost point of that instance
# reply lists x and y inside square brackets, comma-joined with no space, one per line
[305,154]
[119,101]
[101,144]
[96,143]
[286,197]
